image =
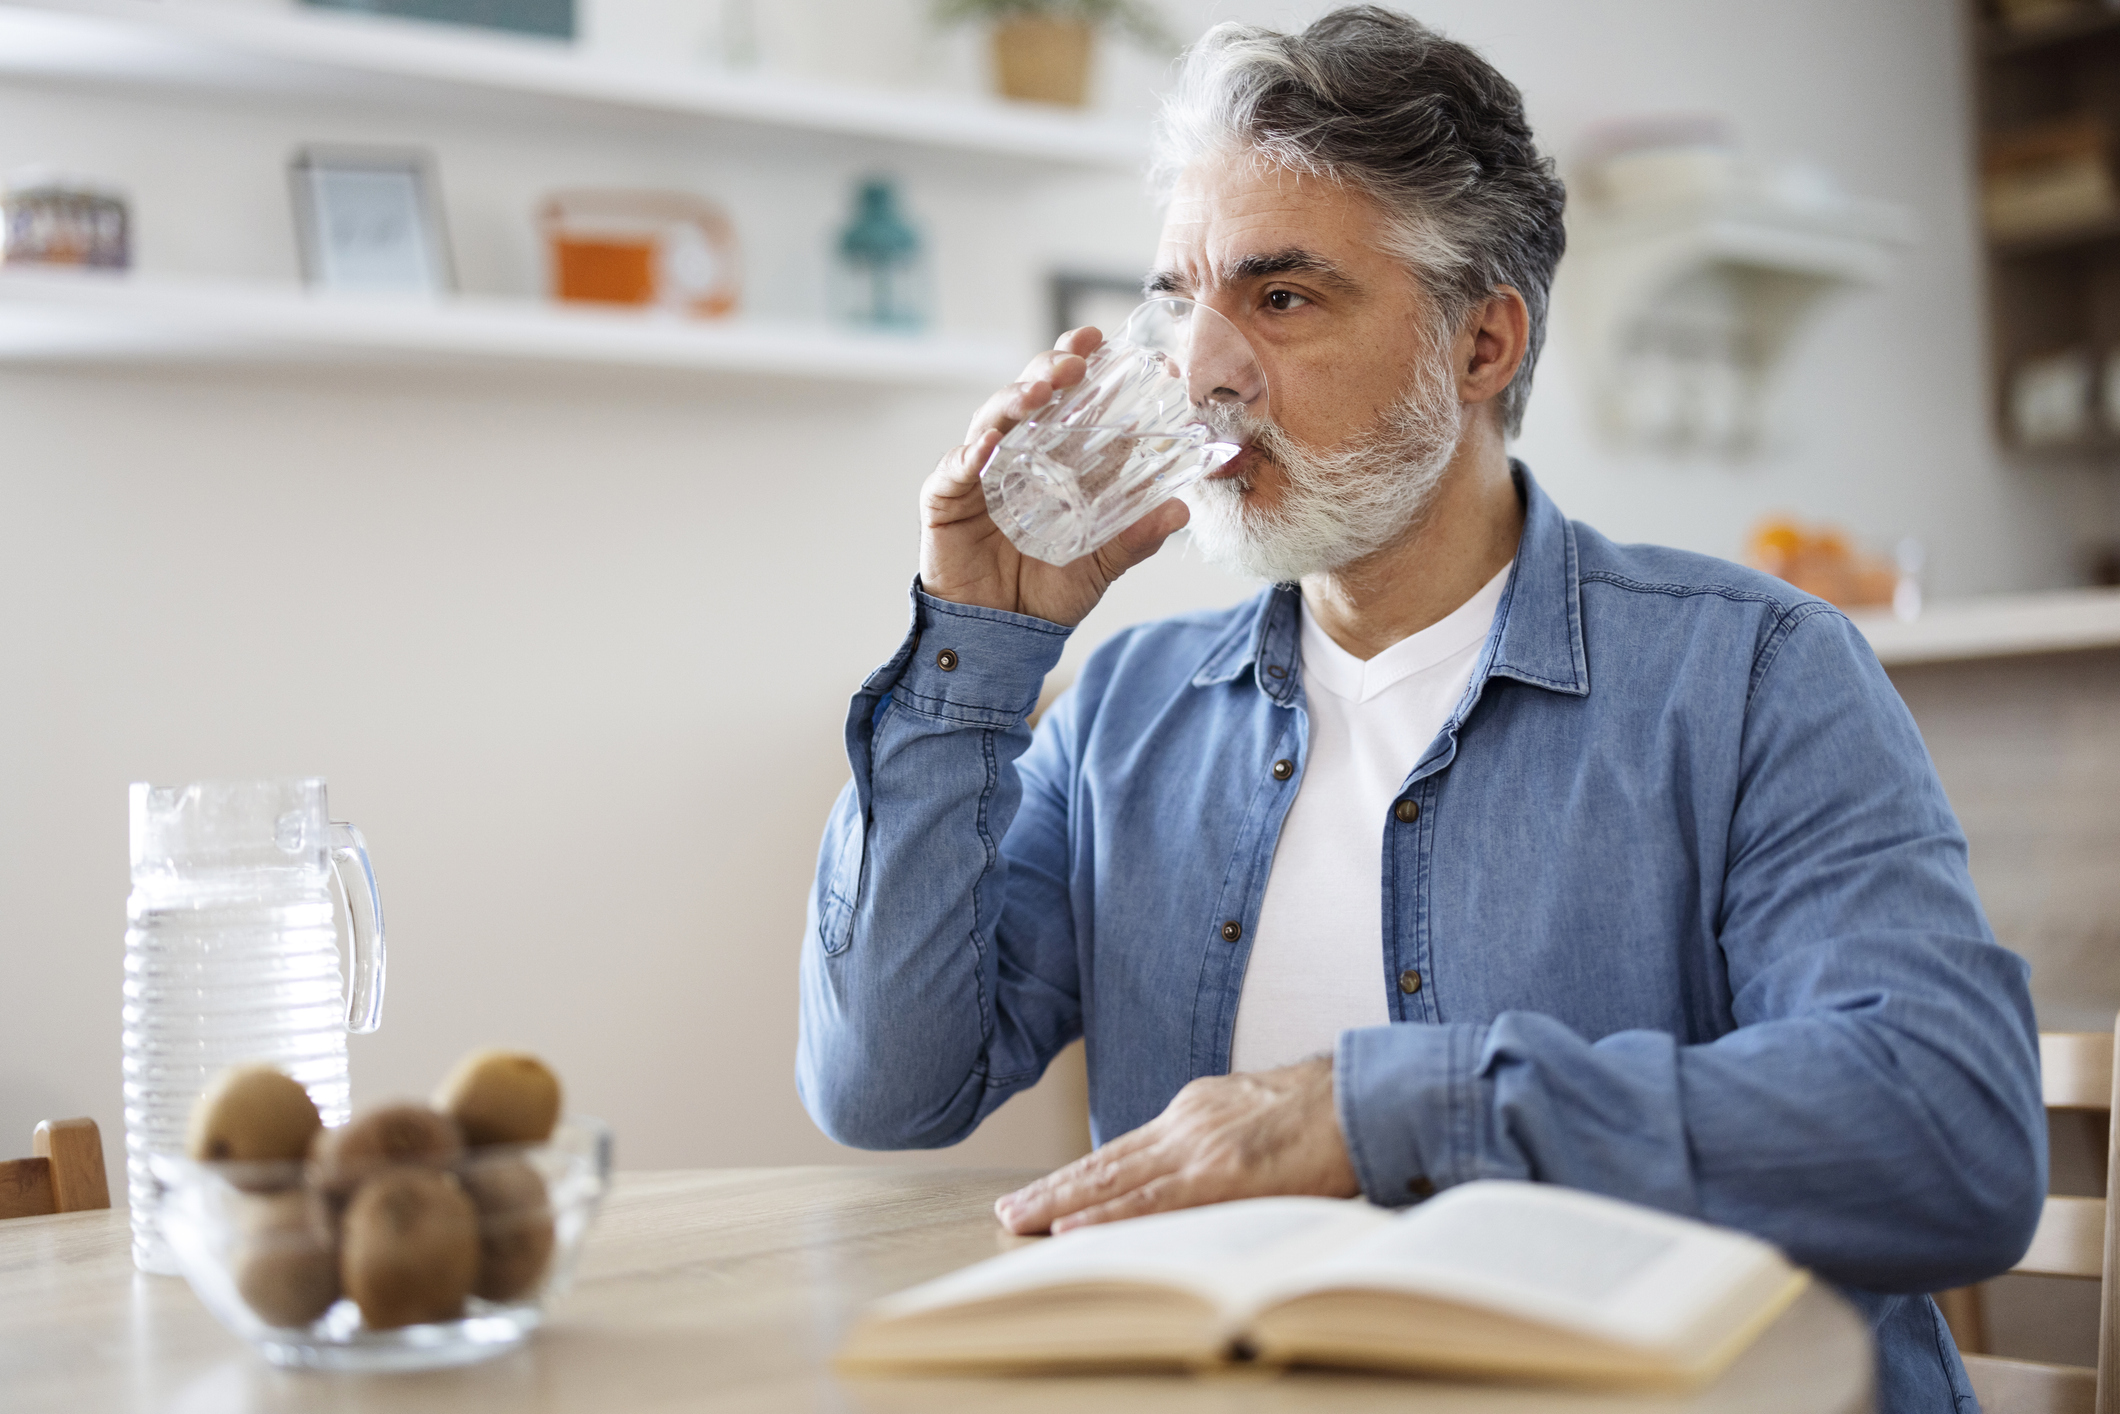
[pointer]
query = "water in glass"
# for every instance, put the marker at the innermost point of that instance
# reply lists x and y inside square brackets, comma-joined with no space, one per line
[1168,399]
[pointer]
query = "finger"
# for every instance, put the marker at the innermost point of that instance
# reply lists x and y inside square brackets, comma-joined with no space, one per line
[1165,1194]
[1068,370]
[1009,406]
[1099,1159]
[1055,365]
[1032,1207]
[1143,538]
[1088,1181]
[1081,342]
[958,473]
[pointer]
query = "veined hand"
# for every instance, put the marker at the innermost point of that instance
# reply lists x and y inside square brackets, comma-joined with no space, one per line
[1263,1134]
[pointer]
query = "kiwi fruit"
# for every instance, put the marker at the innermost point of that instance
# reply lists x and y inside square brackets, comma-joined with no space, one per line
[286,1261]
[501,1097]
[253,1114]
[409,1250]
[402,1134]
[514,1225]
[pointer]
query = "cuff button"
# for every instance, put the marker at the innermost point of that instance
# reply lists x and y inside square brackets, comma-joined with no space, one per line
[1420,1186]
[947,660]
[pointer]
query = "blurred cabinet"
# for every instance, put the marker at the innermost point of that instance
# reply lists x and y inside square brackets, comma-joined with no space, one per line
[2047,85]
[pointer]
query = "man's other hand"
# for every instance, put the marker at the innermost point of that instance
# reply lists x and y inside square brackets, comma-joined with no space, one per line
[966,559]
[1226,1136]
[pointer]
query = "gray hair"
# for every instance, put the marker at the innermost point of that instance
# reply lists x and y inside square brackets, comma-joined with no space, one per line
[1420,124]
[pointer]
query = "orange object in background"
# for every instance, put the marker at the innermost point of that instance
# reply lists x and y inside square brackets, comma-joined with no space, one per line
[650,248]
[1819,560]
[604,272]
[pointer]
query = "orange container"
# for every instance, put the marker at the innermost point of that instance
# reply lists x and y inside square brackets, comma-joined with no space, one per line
[604,271]
[664,249]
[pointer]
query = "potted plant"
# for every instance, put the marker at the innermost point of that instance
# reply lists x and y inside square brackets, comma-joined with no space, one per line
[1042,47]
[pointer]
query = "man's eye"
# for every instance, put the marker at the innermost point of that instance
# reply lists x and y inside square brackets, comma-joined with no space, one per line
[1284,300]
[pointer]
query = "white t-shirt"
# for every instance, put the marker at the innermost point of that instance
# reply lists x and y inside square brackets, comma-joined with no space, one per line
[1317,961]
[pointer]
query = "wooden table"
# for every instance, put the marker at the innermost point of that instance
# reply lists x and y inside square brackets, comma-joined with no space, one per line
[727,1290]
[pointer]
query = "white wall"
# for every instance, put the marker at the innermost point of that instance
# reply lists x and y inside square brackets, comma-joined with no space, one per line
[575,654]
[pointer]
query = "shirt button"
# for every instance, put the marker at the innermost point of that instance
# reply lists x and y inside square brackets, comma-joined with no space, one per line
[1409,981]
[1275,670]
[1420,1187]
[946,660]
[1408,811]
[1232,930]
[1282,770]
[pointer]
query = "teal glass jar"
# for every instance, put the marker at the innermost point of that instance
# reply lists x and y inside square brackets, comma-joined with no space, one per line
[881,275]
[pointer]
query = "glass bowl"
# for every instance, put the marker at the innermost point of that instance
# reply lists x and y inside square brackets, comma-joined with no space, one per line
[259,1243]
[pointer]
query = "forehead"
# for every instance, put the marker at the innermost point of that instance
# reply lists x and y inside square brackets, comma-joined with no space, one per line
[1227,208]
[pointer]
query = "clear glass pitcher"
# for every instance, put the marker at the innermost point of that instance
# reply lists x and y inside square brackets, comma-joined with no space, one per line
[231,957]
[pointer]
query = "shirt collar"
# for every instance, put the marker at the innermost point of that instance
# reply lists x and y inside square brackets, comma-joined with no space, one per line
[1273,636]
[1538,637]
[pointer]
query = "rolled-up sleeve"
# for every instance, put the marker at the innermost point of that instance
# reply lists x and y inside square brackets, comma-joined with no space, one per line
[914,1024]
[1876,1110]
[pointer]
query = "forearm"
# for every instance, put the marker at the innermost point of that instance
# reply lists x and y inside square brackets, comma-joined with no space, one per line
[1888,1143]
[906,1037]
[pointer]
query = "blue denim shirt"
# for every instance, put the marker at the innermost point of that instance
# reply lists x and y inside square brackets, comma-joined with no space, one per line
[1691,915]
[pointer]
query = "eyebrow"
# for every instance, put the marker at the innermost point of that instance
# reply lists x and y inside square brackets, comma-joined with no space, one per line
[1292,261]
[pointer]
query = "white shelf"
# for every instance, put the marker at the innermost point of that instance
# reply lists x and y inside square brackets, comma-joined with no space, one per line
[67,318]
[319,54]
[1686,307]
[1997,626]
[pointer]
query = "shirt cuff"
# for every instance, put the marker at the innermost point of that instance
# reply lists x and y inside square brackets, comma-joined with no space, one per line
[967,664]
[1409,1103]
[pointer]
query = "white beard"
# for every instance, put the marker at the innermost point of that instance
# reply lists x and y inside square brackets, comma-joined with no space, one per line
[1340,506]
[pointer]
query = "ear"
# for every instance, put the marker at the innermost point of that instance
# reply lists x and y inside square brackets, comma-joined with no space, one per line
[1492,344]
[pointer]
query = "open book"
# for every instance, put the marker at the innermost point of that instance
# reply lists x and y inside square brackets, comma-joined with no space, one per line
[1491,1279]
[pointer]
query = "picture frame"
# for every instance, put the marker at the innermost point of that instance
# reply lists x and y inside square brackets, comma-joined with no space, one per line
[552,18]
[1079,298]
[369,221]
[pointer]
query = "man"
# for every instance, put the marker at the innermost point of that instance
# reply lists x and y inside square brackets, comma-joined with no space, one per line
[1478,845]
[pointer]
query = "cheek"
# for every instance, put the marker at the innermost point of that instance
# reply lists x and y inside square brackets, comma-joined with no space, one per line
[1323,398]
[1321,407]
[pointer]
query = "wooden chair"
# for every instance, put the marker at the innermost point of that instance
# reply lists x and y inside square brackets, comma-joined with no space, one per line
[2076,1238]
[66,1176]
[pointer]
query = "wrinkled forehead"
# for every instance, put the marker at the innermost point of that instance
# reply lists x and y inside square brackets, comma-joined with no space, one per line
[1236,219]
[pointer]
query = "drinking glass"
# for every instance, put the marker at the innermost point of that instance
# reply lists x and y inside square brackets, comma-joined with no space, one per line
[1170,398]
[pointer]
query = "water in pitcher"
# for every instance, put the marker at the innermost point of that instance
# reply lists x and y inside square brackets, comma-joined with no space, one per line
[232,958]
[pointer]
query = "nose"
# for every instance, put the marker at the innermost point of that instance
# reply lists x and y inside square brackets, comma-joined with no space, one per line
[1219,365]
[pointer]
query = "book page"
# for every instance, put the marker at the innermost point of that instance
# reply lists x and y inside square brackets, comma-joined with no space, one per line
[1221,1253]
[1574,1260]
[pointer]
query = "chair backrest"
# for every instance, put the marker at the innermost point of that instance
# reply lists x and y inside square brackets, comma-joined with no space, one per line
[2076,1238]
[65,1176]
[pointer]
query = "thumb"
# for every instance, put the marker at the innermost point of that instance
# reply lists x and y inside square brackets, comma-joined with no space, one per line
[1143,538]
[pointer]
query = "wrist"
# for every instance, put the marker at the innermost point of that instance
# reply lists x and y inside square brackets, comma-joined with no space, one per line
[992,596]
[1337,1177]
[973,662]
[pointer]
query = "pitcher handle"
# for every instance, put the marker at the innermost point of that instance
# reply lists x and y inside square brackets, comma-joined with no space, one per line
[364,907]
